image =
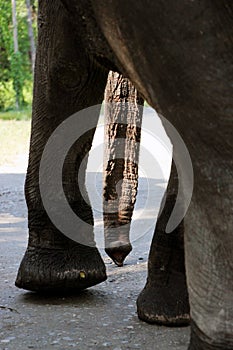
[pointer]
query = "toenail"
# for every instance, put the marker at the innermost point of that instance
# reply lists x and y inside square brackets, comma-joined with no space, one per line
[82,274]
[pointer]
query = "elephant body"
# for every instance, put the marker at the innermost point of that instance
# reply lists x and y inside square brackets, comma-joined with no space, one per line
[179,56]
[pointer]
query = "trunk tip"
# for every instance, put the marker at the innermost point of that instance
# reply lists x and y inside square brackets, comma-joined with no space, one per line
[118,251]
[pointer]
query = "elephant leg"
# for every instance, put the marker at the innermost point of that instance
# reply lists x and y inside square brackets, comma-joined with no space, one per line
[123,117]
[164,299]
[66,81]
[209,252]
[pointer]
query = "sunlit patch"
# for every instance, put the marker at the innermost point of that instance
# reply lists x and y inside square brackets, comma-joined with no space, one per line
[7,218]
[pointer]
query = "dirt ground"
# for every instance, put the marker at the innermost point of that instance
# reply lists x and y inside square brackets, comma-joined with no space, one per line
[102,317]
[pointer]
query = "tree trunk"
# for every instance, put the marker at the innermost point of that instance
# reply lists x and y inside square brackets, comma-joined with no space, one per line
[16,45]
[31,35]
[123,117]
[15,26]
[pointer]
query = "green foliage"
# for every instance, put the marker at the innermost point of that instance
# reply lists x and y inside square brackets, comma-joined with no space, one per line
[24,114]
[15,68]
[6,39]
[7,95]
[27,92]
[17,77]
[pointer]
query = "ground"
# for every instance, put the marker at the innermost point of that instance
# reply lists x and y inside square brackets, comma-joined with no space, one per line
[103,317]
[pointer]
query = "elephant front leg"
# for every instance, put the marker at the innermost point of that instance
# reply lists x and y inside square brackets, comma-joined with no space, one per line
[164,299]
[66,81]
[123,117]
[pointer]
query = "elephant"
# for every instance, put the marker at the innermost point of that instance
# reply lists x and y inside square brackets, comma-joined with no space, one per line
[123,104]
[179,57]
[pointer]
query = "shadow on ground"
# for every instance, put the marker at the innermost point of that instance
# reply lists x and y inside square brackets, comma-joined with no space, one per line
[103,317]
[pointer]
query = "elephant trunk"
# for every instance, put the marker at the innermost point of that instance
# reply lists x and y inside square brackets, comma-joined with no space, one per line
[123,117]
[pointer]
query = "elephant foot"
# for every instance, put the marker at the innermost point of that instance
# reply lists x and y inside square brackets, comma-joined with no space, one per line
[199,341]
[118,251]
[60,270]
[165,304]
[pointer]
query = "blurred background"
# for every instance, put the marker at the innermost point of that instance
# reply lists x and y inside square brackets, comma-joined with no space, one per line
[18,36]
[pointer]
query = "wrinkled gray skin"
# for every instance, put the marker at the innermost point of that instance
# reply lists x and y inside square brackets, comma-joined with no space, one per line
[178,54]
[122,117]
